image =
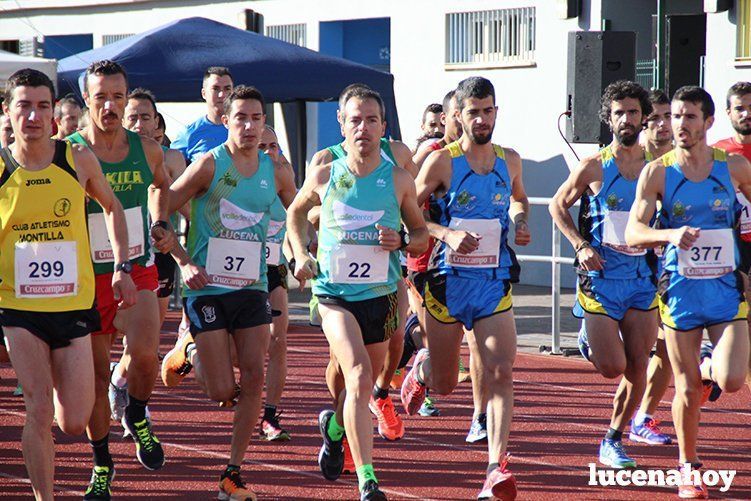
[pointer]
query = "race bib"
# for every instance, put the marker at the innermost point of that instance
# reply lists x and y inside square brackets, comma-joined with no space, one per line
[487,254]
[745,225]
[359,264]
[711,256]
[614,233]
[273,253]
[101,248]
[233,264]
[46,269]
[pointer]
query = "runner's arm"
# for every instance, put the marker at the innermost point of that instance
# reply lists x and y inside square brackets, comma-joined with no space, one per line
[174,162]
[567,195]
[740,170]
[297,213]
[284,178]
[411,213]
[648,190]
[519,206]
[159,188]
[193,182]
[403,156]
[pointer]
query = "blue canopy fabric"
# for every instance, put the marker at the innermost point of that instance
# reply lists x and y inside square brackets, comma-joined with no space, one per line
[170,61]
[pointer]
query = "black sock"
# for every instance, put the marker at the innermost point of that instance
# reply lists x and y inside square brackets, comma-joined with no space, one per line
[614,435]
[380,392]
[492,466]
[229,469]
[136,409]
[101,450]
[269,411]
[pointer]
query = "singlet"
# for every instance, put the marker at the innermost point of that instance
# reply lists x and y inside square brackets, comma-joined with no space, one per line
[173,219]
[710,205]
[608,215]
[730,145]
[228,226]
[276,233]
[45,262]
[199,138]
[337,151]
[130,180]
[421,263]
[351,264]
[477,203]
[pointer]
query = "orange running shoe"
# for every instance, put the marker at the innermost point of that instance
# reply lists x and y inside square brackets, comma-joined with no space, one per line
[397,379]
[176,365]
[691,488]
[390,425]
[232,488]
[349,463]
[500,484]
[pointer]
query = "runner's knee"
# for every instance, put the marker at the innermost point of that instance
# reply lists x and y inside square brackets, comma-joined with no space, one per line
[359,381]
[690,392]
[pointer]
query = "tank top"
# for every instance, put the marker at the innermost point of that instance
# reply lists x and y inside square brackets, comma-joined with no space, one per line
[45,262]
[709,204]
[337,151]
[351,264]
[130,180]
[476,203]
[228,226]
[608,215]
[276,233]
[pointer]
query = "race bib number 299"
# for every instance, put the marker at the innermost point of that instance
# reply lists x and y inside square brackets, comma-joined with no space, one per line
[46,269]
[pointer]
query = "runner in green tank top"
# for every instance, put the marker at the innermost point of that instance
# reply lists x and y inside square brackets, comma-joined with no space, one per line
[231,191]
[134,167]
[358,272]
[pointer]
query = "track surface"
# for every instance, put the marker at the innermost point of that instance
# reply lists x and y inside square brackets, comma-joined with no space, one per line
[562,410]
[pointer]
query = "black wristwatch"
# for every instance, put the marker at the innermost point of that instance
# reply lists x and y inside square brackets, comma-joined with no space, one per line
[405,239]
[125,267]
[160,224]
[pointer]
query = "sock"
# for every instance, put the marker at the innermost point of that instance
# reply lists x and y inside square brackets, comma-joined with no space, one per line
[418,376]
[614,435]
[641,417]
[482,417]
[101,450]
[380,392]
[117,378]
[136,410]
[365,473]
[269,411]
[492,467]
[229,469]
[335,431]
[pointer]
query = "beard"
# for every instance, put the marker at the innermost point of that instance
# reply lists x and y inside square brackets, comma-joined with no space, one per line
[481,139]
[627,137]
[743,130]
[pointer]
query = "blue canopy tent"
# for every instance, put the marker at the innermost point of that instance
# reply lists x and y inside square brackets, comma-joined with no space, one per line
[170,61]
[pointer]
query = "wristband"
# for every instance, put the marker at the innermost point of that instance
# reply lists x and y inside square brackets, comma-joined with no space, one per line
[160,224]
[582,245]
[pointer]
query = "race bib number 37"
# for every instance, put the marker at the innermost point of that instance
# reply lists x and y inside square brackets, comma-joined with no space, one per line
[359,264]
[46,269]
[711,256]
[233,263]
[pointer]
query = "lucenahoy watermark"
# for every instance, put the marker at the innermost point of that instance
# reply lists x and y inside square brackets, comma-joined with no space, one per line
[659,478]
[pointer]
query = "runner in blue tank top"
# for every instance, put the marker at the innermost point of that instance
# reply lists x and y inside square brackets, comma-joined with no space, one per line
[617,284]
[478,191]
[231,191]
[362,198]
[700,287]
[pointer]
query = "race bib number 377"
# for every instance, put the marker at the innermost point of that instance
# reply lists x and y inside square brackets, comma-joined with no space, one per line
[46,269]
[711,256]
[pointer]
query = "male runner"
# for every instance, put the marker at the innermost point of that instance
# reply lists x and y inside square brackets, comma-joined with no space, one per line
[67,114]
[700,287]
[208,131]
[231,192]
[617,285]
[134,168]
[47,291]
[432,126]
[6,131]
[477,190]
[362,197]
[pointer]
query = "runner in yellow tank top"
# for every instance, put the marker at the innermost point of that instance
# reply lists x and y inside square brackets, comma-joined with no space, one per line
[47,292]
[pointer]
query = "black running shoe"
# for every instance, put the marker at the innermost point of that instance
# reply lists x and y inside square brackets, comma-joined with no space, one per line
[716,391]
[331,456]
[371,492]
[148,449]
[100,486]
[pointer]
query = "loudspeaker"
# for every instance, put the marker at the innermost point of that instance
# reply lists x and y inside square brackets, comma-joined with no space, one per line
[595,59]
[252,20]
[715,6]
[686,44]
[566,9]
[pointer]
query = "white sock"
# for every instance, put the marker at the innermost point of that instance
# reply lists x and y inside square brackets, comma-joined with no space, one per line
[641,418]
[117,380]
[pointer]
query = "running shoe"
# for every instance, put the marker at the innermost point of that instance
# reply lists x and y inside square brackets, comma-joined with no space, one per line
[464,374]
[647,432]
[100,486]
[428,408]
[390,425]
[229,404]
[371,492]
[126,432]
[691,488]
[583,342]
[500,484]
[712,390]
[331,455]
[413,392]
[272,431]
[149,451]
[612,454]
[176,365]
[232,487]
[397,379]
[478,431]
[349,462]
[118,397]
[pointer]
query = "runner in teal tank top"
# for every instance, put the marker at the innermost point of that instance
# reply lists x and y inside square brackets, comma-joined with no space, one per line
[362,197]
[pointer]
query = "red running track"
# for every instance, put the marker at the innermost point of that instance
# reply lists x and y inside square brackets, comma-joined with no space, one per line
[562,410]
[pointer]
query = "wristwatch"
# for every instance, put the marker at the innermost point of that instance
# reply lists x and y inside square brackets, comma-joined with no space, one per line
[405,239]
[125,267]
[160,224]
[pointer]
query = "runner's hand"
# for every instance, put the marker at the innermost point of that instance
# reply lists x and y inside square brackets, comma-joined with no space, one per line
[195,276]
[389,239]
[589,259]
[523,236]
[684,237]
[164,240]
[305,269]
[123,289]
[463,242]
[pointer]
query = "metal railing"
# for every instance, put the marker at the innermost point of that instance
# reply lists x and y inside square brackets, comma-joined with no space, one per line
[645,73]
[555,261]
[296,34]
